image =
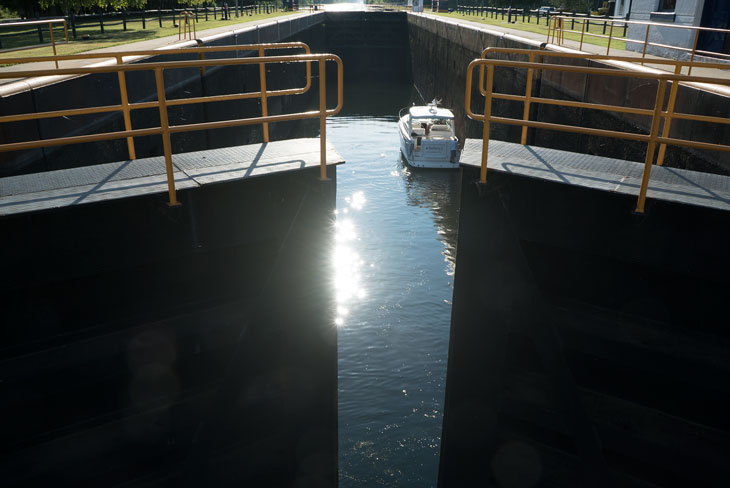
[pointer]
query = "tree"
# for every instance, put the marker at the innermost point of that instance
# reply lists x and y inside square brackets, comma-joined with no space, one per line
[23,7]
[75,5]
[106,4]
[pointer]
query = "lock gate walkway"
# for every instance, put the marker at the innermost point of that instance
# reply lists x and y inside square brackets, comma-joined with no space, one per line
[69,187]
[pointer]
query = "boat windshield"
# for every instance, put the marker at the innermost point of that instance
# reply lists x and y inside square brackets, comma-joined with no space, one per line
[433,127]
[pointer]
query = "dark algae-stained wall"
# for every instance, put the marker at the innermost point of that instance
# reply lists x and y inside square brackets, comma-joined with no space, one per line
[177,345]
[587,342]
[153,345]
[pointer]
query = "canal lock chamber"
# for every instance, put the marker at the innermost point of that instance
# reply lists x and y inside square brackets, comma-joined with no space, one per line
[150,295]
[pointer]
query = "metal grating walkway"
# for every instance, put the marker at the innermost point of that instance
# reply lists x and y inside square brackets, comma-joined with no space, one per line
[614,175]
[53,189]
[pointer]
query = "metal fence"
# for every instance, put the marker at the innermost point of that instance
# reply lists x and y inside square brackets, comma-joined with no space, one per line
[527,16]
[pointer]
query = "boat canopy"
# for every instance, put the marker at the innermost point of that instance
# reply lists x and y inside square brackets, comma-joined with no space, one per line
[430,112]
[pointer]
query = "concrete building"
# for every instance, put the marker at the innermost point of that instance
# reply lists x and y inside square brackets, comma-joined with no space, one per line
[621,8]
[675,13]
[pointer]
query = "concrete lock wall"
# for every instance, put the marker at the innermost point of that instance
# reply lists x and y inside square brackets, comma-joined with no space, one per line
[100,90]
[375,44]
[178,346]
[585,345]
[183,346]
[441,51]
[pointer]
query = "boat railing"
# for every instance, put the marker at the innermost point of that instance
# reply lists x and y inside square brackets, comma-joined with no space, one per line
[660,114]
[162,103]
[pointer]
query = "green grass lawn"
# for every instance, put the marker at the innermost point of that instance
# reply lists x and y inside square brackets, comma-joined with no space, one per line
[113,35]
[542,28]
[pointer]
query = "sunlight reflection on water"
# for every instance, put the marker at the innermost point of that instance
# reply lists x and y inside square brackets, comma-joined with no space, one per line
[347,262]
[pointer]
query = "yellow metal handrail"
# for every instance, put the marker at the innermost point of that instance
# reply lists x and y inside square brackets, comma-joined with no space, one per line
[162,103]
[556,32]
[48,22]
[657,114]
[186,20]
[675,66]
[260,49]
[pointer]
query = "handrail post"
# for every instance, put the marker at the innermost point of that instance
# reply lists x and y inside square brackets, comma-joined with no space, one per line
[125,108]
[485,129]
[694,49]
[201,57]
[528,95]
[646,42]
[481,75]
[668,116]
[322,121]
[164,124]
[610,34]
[549,24]
[264,106]
[582,33]
[554,21]
[656,118]
[53,42]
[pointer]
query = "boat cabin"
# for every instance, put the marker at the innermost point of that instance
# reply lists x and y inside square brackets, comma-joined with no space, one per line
[430,122]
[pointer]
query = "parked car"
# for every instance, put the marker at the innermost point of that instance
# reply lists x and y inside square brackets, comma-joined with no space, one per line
[546,10]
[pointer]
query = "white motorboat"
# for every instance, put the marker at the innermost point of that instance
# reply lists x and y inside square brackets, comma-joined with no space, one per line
[427,138]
